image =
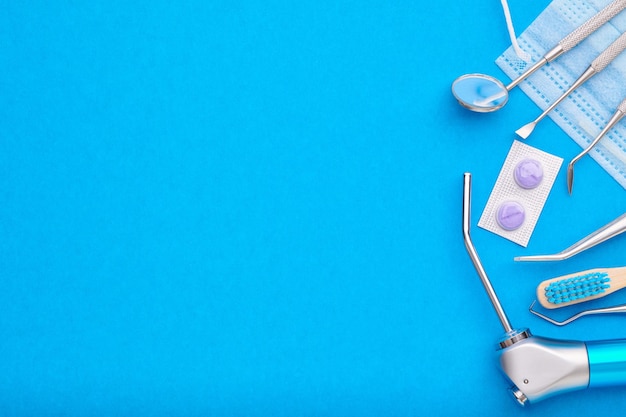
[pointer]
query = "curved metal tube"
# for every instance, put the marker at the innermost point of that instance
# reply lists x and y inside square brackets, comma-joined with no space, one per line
[467,191]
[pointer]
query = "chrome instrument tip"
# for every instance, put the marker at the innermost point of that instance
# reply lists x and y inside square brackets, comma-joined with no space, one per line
[525,131]
[570,177]
[539,258]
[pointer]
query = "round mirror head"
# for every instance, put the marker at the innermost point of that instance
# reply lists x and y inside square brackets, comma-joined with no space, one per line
[480,93]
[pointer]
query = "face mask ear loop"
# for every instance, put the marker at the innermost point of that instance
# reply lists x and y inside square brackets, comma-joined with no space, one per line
[524,56]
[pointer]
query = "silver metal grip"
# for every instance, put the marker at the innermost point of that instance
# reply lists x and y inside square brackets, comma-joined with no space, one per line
[622,106]
[584,30]
[540,367]
[610,53]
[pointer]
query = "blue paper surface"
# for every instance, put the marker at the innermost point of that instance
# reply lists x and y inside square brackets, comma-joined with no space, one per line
[254,208]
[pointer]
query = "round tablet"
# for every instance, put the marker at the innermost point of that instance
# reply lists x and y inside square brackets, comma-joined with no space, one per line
[510,215]
[528,173]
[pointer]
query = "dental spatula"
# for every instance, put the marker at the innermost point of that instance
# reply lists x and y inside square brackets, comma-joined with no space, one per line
[619,113]
[598,64]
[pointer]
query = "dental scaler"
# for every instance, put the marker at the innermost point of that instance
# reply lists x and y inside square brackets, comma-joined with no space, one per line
[538,367]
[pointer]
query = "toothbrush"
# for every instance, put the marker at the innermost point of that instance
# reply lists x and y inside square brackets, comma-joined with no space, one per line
[581,286]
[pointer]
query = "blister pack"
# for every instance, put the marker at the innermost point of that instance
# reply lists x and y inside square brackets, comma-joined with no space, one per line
[520,192]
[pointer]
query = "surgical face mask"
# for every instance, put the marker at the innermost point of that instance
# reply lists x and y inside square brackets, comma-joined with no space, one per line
[587,110]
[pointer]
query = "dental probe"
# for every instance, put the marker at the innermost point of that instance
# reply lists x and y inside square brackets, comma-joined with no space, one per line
[538,367]
[483,93]
[617,116]
[606,310]
[598,64]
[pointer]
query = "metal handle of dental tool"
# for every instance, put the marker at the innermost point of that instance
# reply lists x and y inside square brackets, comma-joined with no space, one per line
[591,25]
[538,367]
[574,38]
[607,310]
[617,116]
[483,93]
[603,234]
[598,64]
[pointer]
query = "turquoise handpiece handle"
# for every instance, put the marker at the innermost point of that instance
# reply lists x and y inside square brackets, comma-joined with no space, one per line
[607,362]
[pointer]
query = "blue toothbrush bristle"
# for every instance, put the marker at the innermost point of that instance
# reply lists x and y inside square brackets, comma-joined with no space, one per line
[576,288]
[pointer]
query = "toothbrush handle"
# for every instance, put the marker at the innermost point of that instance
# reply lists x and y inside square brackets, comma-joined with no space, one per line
[592,25]
[607,362]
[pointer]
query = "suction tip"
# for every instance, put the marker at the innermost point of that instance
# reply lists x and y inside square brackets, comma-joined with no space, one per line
[525,131]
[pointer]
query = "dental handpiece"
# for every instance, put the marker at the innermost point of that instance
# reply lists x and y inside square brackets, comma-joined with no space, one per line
[538,367]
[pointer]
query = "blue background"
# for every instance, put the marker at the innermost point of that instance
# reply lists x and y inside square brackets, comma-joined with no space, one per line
[254,208]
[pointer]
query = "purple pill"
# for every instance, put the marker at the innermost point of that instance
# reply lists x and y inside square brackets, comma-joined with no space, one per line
[528,173]
[510,215]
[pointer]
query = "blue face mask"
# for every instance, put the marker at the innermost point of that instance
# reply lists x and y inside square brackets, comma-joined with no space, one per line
[588,109]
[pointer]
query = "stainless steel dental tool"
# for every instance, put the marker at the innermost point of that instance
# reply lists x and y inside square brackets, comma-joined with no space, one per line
[617,116]
[605,310]
[598,64]
[606,232]
[483,93]
[538,367]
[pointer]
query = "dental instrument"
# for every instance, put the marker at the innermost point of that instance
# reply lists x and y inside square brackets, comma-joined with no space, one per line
[606,310]
[617,116]
[539,367]
[581,286]
[483,93]
[598,64]
[605,233]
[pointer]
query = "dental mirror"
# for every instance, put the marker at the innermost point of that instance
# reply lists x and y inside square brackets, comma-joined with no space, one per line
[480,93]
[484,93]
